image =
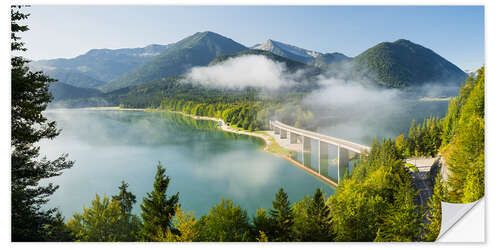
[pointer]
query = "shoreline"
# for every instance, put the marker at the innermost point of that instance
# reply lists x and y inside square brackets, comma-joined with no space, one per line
[223,126]
[272,146]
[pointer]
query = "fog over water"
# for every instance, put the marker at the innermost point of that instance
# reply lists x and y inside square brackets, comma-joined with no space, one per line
[204,164]
[357,110]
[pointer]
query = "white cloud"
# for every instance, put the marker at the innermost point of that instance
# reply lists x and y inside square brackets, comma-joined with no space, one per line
[243,71]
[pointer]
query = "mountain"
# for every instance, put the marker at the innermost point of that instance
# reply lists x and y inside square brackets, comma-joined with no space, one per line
[291,65]
[97,66]
[196,50]
[403,64]
[325,61]
[61,91]
[74,78]
[288,51]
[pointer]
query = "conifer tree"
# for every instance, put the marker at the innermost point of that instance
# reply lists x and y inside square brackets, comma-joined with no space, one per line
[129,223]
[319,227]
[30,96]
[125,199]
[465,153]
[282,218]
[157,209]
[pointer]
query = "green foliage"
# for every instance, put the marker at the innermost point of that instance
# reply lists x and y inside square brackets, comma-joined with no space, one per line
[58,230]
[62,91]
[367,203]
[432,225]
[184,224]
[30,96]
[103,221]
[401,221]
[224,222]
[125,199]
[262,225]
[262,237]
[403,64]
[330,60]
[464,154]
[281,218]
[157,209]
[318,220]
[300,222]
[196,50]
[423,139]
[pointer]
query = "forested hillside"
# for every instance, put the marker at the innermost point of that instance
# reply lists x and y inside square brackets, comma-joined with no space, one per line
[404,64]
[97,66]
[61,91]
[196,50]
[459,139]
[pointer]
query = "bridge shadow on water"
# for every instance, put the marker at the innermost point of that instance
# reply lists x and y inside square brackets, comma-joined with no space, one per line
[328,163]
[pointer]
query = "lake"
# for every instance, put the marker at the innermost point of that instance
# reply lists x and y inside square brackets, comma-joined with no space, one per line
[203,162]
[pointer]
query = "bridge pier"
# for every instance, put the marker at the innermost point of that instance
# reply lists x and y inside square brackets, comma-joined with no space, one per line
[323,158]
[343,163]
[283,134]
[305,138]
[306,151]
[293,138]
[276,130]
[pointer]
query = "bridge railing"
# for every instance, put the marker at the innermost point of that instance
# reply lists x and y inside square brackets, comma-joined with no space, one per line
[358,148]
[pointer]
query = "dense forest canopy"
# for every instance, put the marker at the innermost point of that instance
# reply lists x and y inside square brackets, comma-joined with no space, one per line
[375,203]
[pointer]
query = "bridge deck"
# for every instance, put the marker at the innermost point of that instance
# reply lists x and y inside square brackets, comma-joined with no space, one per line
[355,147]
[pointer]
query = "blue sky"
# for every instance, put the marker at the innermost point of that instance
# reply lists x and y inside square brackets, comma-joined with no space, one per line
[454,32]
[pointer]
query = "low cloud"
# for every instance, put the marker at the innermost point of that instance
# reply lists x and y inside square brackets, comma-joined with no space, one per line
[243,71]
[345,93]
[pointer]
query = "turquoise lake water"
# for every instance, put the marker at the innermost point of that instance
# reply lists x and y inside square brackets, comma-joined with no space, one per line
[203,162]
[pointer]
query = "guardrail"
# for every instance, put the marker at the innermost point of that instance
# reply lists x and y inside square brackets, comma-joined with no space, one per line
[355,147]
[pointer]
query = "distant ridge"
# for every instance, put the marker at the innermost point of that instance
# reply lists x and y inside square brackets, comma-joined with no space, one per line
[403,63]
[196,50]
[97,66]
[288,51]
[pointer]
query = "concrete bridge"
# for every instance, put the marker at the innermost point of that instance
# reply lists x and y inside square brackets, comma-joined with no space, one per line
[304,137]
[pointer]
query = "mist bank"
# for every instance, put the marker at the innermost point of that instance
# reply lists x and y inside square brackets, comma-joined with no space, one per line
[331,101]
[349,107]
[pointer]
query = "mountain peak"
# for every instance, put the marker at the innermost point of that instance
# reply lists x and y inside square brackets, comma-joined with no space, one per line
[287,50]
[209,34]
[405,42]
[403,63]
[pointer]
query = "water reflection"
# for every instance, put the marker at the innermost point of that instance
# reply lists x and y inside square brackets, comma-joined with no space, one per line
[204,163]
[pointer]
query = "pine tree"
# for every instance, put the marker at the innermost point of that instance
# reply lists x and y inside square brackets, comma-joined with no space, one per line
[125,199]
[58,230]
[30,96]
[319,227]
[282,218]
[129,223]
[465,153]
[157,209]
[400,222]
